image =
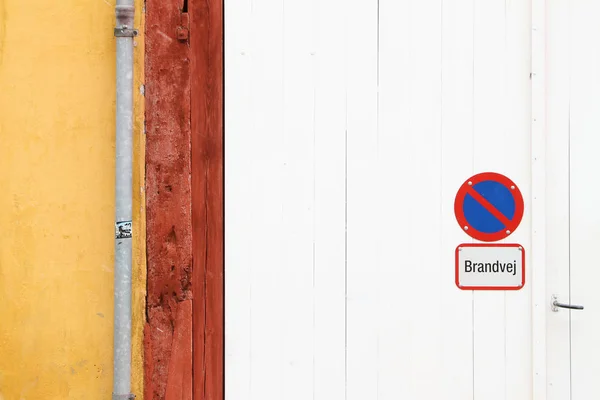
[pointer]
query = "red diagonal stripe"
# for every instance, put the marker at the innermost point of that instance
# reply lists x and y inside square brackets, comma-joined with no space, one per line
[489,207]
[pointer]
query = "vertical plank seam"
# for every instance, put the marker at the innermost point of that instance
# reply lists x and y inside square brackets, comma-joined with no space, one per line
[538,194]
[473,171]
[378,194]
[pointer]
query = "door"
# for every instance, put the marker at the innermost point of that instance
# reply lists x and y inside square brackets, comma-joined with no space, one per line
[573,170]
[349,127]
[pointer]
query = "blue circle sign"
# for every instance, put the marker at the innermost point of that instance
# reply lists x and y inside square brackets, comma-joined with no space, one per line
[488,207]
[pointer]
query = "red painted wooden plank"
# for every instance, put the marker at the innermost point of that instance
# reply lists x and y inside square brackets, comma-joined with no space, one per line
[206,51]
[179,382]
[168,187]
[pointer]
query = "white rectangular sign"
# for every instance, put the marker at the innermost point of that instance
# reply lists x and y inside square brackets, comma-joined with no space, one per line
[498,266]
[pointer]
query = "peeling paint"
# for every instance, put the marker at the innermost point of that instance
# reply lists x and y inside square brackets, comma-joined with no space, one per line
[167,186]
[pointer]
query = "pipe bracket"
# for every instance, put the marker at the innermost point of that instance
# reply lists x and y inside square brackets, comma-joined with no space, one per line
[124,31]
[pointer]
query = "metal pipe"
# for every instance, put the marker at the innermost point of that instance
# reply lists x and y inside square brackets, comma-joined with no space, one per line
[124,34]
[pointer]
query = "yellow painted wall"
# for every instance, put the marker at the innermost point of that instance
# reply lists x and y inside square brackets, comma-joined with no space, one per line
[57,104]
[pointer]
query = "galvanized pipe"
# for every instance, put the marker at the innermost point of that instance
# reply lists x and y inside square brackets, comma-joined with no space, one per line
[124,33]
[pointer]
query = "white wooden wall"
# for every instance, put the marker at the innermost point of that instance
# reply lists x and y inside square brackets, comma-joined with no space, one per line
[573,169]
[349,127]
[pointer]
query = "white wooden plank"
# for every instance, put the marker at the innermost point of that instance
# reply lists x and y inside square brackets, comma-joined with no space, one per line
[557,197]
[330,200]
[265,202]
[422,200]
[298,263]
[362,203]
[395,315]
[585,220]
[457,165]
[491,146]
[238,185]
[517,67]
[537,252]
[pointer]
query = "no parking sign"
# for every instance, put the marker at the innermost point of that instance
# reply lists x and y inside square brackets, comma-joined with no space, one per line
[489,207]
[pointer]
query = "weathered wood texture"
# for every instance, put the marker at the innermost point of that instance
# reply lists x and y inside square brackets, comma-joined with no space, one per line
[206,50]
[168,194]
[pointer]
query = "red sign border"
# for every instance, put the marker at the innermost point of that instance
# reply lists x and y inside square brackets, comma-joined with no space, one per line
[456,266]
[460,198]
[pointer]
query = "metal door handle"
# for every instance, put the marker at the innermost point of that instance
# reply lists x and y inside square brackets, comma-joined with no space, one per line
[556,305]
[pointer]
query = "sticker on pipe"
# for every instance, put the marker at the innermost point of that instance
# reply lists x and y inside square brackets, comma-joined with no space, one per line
[482,266]
[123,230]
